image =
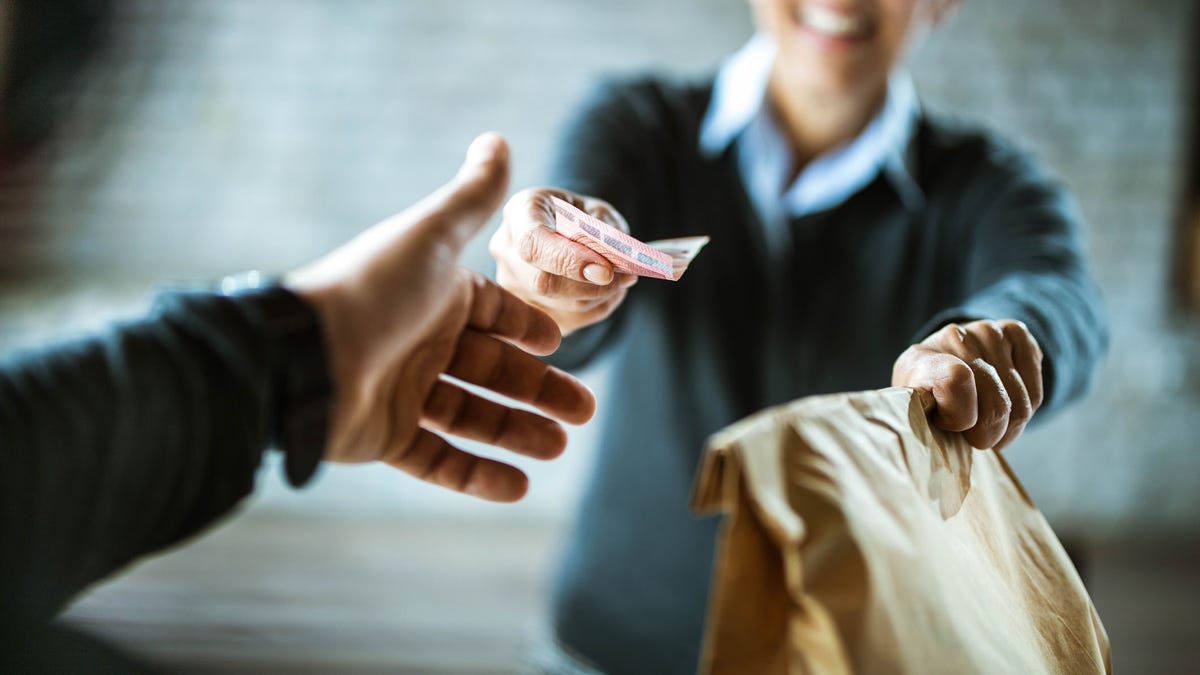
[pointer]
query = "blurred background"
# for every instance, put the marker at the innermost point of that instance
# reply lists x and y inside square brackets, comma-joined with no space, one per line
[152,142]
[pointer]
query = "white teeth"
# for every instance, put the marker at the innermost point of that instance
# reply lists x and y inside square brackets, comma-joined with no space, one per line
[832,23]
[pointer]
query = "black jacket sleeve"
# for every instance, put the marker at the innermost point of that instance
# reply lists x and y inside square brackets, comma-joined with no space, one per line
[118,445]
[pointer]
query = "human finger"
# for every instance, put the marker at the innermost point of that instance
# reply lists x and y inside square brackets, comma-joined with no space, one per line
[990,342]
[496,365]
[593,206]
[557,307]
[602,310]
[453,410]
[569,315]
[948,378]
[1027,358]
[1021,407]
[496,311]
[456,212]
[994,406]
[550,286]
[588,306]
[598,208]
[626,280]
[435,460]
[530,224]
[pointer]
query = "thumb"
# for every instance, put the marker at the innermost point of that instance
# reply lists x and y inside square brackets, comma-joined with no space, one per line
[461,207]
[952,383]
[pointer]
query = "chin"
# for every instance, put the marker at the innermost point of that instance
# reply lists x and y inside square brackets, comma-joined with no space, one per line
[812,76]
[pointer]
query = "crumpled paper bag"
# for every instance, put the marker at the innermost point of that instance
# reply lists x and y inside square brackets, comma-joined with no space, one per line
[859,539]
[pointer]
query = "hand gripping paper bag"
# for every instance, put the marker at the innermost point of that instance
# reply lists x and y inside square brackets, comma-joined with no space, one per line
[859,539]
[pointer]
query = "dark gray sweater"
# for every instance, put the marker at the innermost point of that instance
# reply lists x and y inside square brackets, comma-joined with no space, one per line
[997,238]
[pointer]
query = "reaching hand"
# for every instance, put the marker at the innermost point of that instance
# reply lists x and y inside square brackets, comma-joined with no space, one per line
[986,378]
[398,314]
[569,281]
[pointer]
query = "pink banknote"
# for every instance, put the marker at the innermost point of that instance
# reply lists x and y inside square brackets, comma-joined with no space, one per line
[664,259]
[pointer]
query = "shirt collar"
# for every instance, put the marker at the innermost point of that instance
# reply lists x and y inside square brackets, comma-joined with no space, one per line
[739,94]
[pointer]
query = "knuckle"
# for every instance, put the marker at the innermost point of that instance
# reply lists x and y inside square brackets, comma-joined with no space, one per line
[528,247]
[1035,400]
[957,375]
[602,211]
[1021,413]
[520,201]
[982,365]
[1011,327]
[954,335]
[904,361]
[565,263]
[526,195]
[1000,410]
[1014,325]
[605,211]
[1034,348]
[1015,332]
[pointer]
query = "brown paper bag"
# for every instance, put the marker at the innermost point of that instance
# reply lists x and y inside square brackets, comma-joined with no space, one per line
[862,540]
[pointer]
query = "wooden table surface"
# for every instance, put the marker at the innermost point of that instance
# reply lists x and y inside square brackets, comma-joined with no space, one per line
[279,593]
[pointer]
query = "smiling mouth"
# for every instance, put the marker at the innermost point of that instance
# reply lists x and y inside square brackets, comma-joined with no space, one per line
[830,23]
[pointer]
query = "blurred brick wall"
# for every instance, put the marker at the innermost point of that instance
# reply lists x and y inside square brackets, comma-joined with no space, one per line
[1097,88]
[273,130]
[256,133]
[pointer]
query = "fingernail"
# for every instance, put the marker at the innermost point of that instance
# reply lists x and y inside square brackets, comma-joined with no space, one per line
[485,148]
[597,274]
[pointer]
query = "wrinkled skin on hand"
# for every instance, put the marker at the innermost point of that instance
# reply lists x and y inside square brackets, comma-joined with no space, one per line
[985,376]
[572,283]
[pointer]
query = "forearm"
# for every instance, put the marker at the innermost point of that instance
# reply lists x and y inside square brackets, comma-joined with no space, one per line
[119,445]
[1024,259]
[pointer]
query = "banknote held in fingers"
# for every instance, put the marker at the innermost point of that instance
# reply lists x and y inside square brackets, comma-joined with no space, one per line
[665,259]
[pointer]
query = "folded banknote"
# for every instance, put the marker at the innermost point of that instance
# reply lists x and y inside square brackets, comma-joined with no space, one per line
[663,259]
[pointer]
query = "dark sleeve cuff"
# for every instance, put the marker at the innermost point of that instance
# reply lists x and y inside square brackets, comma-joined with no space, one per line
[301,392]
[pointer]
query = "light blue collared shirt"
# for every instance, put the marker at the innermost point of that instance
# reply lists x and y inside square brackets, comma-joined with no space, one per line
[738,113]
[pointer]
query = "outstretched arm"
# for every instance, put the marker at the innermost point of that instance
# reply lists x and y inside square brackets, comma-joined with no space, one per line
[120,444]
[1031,332]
